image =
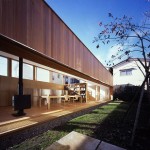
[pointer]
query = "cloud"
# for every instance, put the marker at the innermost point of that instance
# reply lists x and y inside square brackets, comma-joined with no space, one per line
[101,58]
[113,51]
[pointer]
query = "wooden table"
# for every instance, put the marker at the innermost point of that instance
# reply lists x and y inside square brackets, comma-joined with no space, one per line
[48,99]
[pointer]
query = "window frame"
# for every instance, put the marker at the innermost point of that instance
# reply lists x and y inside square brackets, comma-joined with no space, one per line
[126,72]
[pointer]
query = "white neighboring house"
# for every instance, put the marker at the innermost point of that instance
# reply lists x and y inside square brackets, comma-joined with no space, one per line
[127,72]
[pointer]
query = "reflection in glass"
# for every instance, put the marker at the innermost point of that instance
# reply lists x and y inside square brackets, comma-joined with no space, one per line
[42,75]
[15,68]
[27,70]
[3,66]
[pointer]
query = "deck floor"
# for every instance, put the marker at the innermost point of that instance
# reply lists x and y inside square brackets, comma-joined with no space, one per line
[36,115]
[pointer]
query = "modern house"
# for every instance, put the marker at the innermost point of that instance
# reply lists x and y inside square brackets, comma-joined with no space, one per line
[35,40]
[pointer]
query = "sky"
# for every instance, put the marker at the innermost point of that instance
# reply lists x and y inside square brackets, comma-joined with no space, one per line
[83,18]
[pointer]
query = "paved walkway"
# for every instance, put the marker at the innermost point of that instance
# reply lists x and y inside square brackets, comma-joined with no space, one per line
[77,141]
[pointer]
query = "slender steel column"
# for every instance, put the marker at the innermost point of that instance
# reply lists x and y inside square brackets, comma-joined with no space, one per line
[20,83]
[20,86]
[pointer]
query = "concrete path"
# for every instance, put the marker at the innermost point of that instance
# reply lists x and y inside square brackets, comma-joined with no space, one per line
[77,141]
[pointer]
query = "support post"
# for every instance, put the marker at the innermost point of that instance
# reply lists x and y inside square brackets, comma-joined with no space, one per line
[20,87]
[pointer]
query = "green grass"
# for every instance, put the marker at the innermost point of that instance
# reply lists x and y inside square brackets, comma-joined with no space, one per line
[102,123]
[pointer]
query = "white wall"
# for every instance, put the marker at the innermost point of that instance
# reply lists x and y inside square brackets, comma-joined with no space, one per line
[135,79]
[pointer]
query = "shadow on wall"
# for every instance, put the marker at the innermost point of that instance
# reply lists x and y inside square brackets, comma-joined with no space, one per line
[125,92]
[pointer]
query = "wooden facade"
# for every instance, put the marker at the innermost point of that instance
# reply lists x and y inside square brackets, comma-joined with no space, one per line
[35,24]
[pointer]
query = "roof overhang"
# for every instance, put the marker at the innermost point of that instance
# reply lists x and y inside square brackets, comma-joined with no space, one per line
[13,47]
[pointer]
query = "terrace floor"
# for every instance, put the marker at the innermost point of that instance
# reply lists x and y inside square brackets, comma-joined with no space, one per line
[36,115]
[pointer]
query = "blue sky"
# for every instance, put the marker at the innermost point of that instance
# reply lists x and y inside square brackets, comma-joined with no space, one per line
[83,17]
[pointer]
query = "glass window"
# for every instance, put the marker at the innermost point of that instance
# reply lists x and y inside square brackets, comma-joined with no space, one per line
[27,70]
[126,72]
[3,66]
[15,68]
[42,75]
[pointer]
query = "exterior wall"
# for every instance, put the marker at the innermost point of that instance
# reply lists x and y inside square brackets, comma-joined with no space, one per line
[35,24]
[135,79]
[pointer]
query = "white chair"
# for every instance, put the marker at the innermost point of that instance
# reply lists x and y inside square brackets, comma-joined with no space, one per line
[76,98]
[43,98]
[66,98]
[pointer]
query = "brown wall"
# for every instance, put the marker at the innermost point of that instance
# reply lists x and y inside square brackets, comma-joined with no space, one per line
[34,24]
[8,88]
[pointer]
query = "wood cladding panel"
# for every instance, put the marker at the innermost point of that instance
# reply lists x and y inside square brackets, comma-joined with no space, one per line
[66,45]
[34,24]
[20,11]
[88,61]
[71,50]
[7,18]
[85,56]
[35,36]
[48,31]
[77,55]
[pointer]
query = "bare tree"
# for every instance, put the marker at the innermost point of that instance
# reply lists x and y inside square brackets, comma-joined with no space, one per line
[130,38]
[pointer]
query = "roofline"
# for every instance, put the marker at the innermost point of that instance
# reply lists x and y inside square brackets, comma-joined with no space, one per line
[130,59]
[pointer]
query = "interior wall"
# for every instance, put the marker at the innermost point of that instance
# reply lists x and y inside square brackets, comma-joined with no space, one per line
[9,87]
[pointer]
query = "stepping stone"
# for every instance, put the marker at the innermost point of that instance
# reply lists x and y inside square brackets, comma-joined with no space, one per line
[78,141]
[75,141]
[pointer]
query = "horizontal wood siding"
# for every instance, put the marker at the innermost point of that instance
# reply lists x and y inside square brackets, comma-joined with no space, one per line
[35,24]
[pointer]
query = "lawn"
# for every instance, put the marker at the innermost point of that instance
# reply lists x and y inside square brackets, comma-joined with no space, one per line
[106,123]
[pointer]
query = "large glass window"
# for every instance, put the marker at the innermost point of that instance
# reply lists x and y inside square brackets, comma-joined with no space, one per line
[27,70]
[42,75]
[15,68]
[3,66]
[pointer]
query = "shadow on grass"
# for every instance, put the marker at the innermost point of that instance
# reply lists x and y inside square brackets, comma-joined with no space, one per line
[104,123]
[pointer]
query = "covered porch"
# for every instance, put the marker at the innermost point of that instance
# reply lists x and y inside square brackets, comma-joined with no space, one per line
[58,80]
[43,77]
[36,115]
